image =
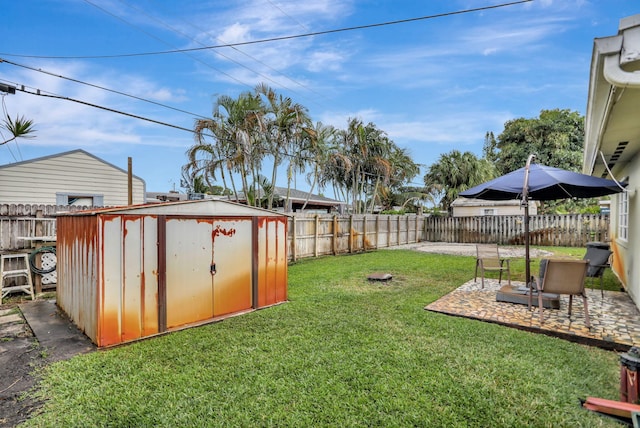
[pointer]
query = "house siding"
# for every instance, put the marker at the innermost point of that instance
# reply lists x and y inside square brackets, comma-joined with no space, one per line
[44,180]
[624,250]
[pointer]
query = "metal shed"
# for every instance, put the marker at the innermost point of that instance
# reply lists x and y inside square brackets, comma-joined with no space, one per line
[133,272]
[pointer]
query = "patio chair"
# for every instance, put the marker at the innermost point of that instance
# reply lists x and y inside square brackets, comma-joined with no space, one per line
[564,277]
[598,262]
[488,258]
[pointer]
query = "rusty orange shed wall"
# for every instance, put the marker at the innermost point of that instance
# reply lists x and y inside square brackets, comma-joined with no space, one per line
[78,271]
[128,287]
[272,260]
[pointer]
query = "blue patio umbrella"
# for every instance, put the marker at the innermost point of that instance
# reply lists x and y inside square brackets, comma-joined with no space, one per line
[541,183]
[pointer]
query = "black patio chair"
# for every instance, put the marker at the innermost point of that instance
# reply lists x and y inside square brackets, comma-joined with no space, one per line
[598,262]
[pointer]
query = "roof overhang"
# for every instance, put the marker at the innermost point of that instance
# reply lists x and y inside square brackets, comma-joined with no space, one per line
[612,126]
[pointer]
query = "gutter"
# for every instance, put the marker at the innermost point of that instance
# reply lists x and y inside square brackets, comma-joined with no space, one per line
[616,76]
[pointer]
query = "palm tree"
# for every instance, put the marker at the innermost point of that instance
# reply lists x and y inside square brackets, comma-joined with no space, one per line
[18,128]
[285,122]
[205,158]
[318,141]
[237,127]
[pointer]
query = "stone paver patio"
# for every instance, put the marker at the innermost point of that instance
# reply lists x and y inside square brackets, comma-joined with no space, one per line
[615,320]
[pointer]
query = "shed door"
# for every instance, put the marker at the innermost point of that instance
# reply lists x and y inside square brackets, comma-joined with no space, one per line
[208,269]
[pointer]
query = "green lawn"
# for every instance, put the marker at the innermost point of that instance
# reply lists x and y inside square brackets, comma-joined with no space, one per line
[342,352]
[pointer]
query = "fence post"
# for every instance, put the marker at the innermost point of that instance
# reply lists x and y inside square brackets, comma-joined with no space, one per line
[335,234]
[351,231]
[364,233]
[315,242]
[294,244]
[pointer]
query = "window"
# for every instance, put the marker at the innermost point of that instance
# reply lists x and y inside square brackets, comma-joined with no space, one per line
[489,211]
[623,216]
[88,200]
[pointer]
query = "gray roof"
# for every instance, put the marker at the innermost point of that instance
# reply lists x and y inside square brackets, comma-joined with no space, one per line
[298,195]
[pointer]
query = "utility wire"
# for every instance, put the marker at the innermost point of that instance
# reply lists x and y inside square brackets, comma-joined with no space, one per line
[40,93]
[275,39]
[187,36]
[288,16]
[165,43]
[257,59]
[39,70]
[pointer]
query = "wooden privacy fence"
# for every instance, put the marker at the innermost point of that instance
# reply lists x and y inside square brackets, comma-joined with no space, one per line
[317,235]
[313,235]
[567,230]
[18,221]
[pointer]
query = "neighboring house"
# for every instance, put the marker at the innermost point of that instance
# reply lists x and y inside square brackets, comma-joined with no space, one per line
[298,198]
[172,196]
[70,178]
[612,127]
[468,207]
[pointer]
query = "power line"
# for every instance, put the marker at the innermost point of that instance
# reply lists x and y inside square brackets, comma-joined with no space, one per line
[40,93]
[287,15]
[275,39]
[187,36]
[165,43]
[39,70]
[258,60]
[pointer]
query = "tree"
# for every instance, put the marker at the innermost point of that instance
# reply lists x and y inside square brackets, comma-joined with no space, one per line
[455,172]
[490,147]
[284,123]
[319,141]
[361,162]
[556,138]
[18,128]
[236,128]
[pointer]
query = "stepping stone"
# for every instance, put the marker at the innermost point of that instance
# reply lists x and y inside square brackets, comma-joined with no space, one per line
[4,312]
[380,277]
[10,318]
[13,330]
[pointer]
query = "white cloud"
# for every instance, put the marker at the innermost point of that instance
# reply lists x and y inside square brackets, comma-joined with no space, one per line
[325,61]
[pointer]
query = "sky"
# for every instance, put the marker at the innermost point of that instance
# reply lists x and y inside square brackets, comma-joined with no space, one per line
[433,85]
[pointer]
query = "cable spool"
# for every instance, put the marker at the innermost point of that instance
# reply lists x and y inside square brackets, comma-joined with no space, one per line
[48,263]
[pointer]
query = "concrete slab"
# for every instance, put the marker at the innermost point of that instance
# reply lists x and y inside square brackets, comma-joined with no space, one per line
[7,319]
[13,330]
[55,331]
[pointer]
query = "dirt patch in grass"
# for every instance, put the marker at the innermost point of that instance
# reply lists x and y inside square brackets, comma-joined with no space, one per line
[20,359]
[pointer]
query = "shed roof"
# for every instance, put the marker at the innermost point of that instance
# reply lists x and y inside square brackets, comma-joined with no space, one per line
[205,207]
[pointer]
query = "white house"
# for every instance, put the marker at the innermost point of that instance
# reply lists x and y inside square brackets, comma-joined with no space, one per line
[469,207]
[70,178]
[612,140]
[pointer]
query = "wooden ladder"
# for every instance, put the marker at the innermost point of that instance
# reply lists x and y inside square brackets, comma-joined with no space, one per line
[15,267]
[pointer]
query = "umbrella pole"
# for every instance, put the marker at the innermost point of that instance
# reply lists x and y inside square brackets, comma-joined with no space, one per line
[527,259]
[525,203]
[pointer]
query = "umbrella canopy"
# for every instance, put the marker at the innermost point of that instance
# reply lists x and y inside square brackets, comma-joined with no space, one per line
[545,184]
[541,183]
